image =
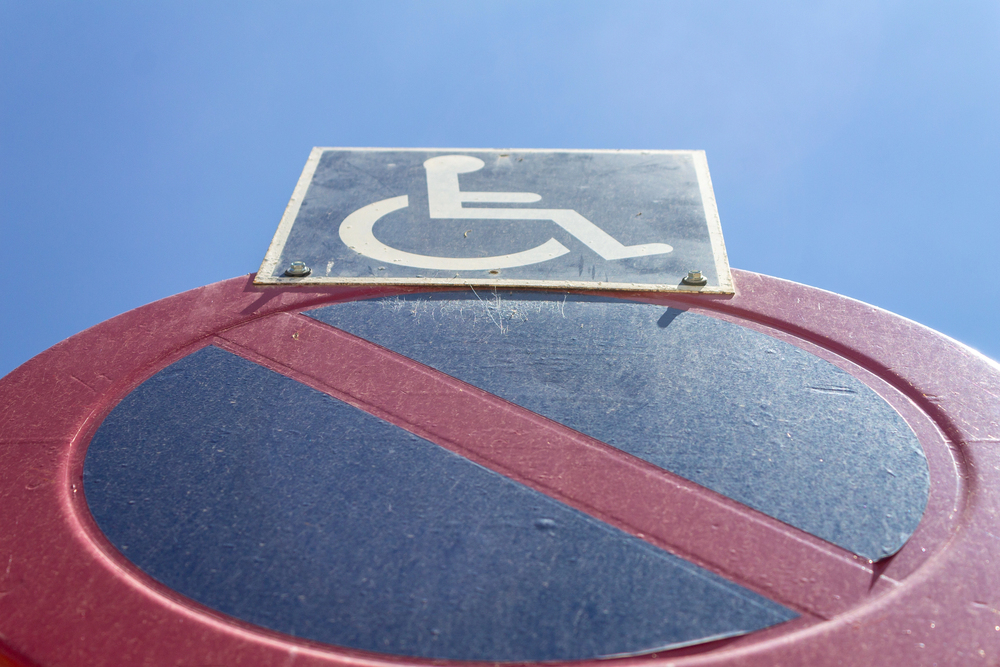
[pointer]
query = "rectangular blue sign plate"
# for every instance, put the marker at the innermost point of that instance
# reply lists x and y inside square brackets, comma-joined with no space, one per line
[623,220]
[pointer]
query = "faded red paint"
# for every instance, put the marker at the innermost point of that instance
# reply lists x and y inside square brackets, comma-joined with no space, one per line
[68,598]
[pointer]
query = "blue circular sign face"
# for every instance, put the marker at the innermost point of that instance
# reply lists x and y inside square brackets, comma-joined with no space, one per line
[319,516]
[376,478]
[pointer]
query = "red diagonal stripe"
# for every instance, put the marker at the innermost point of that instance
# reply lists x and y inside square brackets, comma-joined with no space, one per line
[781,562]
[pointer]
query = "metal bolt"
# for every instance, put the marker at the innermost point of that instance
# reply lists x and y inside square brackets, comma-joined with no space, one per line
[694,278]
[297,270]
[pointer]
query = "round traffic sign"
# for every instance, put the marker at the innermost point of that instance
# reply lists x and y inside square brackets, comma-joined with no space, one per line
[382,475]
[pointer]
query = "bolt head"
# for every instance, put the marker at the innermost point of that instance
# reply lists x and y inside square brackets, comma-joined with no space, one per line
[297,270]
[694,278]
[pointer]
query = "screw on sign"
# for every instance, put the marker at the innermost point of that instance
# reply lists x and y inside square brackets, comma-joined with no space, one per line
[286,476]
[335,462]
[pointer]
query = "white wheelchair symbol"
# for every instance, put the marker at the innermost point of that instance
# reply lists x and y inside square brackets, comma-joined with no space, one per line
[446,201]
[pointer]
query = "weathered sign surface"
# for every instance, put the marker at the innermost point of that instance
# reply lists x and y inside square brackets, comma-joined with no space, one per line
[642,220]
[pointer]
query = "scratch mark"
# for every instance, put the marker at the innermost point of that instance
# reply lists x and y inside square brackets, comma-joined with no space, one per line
[82,382]
[393,304]
[833,389]
[488,310]
[983,605]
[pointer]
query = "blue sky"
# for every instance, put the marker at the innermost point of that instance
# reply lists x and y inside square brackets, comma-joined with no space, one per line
[147,149]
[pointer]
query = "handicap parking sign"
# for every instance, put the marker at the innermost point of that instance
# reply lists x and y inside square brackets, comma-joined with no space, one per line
[639,220]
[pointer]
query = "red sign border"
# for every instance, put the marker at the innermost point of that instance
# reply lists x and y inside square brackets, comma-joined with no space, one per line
[67,597]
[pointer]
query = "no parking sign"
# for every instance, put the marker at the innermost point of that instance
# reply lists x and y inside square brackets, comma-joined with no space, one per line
[386,474]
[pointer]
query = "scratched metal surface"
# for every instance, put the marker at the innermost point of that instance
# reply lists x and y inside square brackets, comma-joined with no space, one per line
[751,417]
[273,503]
[635,197]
